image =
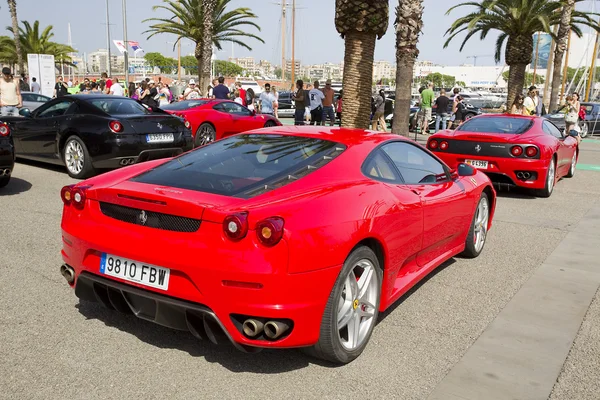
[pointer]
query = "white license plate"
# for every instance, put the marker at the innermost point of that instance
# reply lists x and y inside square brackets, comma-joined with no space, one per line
[135,271]
[477,163]
[160,138]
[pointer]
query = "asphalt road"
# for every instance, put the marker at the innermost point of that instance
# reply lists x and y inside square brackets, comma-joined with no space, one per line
[54,347]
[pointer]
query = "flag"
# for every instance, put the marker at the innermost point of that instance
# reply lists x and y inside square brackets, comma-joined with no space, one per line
[120,46]
[136,47]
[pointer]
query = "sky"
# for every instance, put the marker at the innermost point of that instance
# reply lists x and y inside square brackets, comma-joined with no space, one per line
[317,41]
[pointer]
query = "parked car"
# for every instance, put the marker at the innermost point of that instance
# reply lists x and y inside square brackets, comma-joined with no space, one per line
[530,152]
[213,119]
[589,126]
[33,100]
[415,112]
[90,132]
[7,154]
[276,238]
[286,105]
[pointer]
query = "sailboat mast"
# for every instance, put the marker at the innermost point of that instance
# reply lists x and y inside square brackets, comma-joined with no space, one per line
[108,62]
[283,22]
[592,68]
[293,40]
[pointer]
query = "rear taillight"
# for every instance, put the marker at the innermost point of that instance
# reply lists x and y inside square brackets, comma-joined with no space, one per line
[4,130]
[187,124]
[433,144]
[531,151]
[73,195]
[516,151]
[444,146]
[235,226]
[115,126]
[270,231]
[66,195]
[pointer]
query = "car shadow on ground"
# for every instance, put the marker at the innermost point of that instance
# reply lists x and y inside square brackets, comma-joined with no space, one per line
[39,164]
[15,186]
[515,193]
[265,362]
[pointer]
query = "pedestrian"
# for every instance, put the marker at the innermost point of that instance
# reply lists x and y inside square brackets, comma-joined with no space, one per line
[35,87]
[572,115]
[531,102]
[221,91]
[328,113]
[10,95]
[276,102]
[107,82]
[101,86]
[427,97]
[23,85]
[338,106]
[316,104]
[307,104]
[441,110]
[250,99]
[455,93]
[534,97]
[116,89]
[266,100]
[163,95]
[95,88]
[299,103]
[238,87]
[237,97]
[60,88]
[191,92]
[70,83]
[518,106]
[211,95]
[378,117]
[131,91]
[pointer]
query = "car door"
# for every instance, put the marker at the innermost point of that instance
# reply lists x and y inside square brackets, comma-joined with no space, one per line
[223,120]
[566,147]
[446,211]
[40,140]
[243,119]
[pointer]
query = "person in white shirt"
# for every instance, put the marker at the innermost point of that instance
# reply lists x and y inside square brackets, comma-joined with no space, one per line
[35,87]
[531,102]
[191,92]
[237,97]
[116,89]
[215,82]
[69,83]
[316,97]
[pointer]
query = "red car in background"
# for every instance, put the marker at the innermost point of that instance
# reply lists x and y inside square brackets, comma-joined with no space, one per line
[513,150]
[276,238]
[211,119]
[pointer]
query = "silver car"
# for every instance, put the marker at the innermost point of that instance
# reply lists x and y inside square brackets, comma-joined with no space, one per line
[33,100]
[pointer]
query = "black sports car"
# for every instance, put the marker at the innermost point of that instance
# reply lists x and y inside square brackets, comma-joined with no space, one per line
[7,154]
[90,132]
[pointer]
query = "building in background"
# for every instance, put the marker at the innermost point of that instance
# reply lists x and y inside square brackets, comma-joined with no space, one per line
[473,76]
[98,61]
[383,70]
[288,67]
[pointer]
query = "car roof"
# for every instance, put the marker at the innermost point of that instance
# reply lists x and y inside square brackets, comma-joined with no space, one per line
[529,117]
[347,136]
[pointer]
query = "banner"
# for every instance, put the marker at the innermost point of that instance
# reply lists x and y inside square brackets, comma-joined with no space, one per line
[47,74]
[135,46]
[545,42]
[120,46]
[33,68]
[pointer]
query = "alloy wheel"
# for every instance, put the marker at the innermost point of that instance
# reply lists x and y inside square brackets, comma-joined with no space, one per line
[74,157]
[584,130]
[573,164]
[482,217]
[551,176]
[207,135]
[356,305]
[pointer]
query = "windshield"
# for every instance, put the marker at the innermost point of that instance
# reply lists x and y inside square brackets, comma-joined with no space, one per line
[502,125]
[244,165]
[119,106]
[184,105]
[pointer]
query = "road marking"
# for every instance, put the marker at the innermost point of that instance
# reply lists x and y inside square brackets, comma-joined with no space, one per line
[588,167]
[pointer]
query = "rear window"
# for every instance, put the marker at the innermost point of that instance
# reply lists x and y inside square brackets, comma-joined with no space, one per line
[244,165]
[119,106]
[502,125]
[184,105]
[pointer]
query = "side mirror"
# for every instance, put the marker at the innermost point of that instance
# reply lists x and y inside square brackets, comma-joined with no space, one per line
[465,170]
[24,112]
[253,112]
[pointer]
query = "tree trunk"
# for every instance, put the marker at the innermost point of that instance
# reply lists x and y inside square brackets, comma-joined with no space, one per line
[518,54]
[358,79]
[408,23]
[516,79]
[561,46]
[198,54]
[207,43]
[12,6]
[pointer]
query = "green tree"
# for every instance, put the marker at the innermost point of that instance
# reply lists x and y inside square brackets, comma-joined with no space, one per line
[360,23]
[226,68]
[460,83]
[517,21]
[277,73]
[539,79]
[439,80]
[187,21]
[12,6]
[165,64]
[189,63]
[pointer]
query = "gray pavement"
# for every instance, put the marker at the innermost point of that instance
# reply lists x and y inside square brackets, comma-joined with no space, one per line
[54,347]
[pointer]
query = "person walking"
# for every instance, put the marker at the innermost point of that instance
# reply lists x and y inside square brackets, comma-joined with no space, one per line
[35,87]
[10,94]
[299,103]
[23,85]
[116,89]
[531,102]
[316,97]
[338,107]
[276,102]
[107,82]
[250,99]
[60,88]
[518,106]
[266,100]
[221,91]
[238,87]
[132,91]
[191,92]
[427,97]
[455,93]
[572,115]
[328,113]
[441,110]
[378,117]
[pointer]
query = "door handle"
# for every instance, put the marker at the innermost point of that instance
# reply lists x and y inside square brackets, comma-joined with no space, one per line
[416,191]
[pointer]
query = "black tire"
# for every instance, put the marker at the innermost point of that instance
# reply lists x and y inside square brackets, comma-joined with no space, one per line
[573,166]
[329,347]
[270,124]
[4,181]
[471,248]
[548,188]
[585,129]
[87,170]
[205,134]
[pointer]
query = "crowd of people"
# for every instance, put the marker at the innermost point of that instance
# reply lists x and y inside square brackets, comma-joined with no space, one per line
[446,117]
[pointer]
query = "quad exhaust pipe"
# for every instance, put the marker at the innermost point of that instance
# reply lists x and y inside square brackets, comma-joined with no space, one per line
[252,327]
[5,172]
[127,161]
[523,175]
[273,330]
[68,272]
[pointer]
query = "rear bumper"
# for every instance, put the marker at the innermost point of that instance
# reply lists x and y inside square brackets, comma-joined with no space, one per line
[526,173]
[7,153]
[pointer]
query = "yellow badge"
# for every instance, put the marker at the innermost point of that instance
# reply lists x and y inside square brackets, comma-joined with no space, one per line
[355,304]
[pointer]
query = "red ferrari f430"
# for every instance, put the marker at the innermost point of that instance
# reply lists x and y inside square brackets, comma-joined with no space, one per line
[529,152]
[276,238]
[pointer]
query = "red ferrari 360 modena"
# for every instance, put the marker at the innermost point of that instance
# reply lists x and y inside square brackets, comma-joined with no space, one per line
[277,238]
[529,152]
[211,119]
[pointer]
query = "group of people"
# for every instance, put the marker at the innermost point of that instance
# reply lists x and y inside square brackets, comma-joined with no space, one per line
[445,117]
[315,104]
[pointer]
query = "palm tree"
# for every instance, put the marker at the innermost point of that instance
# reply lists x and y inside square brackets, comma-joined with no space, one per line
[188,22]
[561,45]
[8,53]
[408,23]
[359,22]
[12,6]
[517,21]
[207,45]
[31,41]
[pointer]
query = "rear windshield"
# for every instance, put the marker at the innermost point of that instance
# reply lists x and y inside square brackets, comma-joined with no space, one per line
[505,125]
[119,106]
[184,105]
[244,165]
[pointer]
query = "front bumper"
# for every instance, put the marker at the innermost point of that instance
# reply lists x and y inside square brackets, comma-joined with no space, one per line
[521,172]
